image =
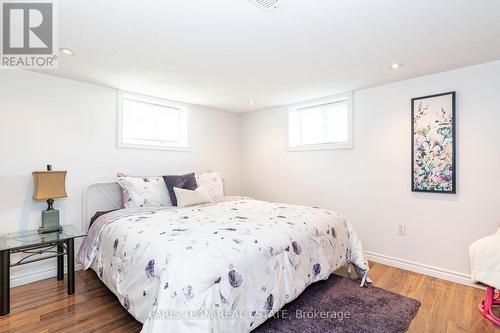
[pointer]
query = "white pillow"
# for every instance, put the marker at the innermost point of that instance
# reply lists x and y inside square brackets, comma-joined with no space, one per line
[212,181]
[189,198]
[144,192]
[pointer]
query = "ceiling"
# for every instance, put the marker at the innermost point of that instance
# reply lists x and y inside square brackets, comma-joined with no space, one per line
[224,53]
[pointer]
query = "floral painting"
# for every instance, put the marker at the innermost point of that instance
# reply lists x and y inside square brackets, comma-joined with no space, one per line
[433,143]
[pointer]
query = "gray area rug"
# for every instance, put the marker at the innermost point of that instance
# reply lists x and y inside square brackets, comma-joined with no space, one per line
[341,305]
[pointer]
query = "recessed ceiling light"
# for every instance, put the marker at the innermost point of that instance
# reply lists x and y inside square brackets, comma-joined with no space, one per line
[396,65]
[67,51]
[251,102]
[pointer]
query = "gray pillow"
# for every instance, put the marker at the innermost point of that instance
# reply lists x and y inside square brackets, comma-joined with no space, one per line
[187,182]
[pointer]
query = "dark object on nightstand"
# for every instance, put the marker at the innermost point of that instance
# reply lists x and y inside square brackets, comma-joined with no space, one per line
[32,244]
[49,185]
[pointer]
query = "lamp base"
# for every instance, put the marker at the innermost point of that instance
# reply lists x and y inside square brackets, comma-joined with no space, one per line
[50,221]
[42,230]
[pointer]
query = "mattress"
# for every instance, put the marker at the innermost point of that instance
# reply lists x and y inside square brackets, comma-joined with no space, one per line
[220,267]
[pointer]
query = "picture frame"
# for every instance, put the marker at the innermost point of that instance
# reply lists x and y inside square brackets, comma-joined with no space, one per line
[433,143]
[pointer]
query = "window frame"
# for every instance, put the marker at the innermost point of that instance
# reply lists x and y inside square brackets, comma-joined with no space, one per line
[317,103]
[121,95]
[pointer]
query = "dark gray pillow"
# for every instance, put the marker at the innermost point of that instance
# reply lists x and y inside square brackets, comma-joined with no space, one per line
[187,182]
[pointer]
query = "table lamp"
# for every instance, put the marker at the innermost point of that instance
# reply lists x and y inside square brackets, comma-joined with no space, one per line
[49,185]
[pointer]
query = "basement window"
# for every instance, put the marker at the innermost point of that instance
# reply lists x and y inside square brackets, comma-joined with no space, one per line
[322,125]
[151,123]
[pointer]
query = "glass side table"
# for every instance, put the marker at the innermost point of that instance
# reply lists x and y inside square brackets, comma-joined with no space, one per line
[36,247]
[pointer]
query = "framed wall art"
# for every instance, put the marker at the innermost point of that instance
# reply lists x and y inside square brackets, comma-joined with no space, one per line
[433,143]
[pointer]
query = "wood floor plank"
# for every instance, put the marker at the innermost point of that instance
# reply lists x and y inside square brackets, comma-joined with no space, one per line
[45,307]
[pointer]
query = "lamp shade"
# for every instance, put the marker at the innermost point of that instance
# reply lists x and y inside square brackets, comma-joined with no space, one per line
[49,185]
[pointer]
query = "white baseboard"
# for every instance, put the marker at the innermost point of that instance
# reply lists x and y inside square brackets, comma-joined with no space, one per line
[36,275]
[46,272]
[416,267]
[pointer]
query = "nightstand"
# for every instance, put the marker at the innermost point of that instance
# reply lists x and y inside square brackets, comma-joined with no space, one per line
[37,247]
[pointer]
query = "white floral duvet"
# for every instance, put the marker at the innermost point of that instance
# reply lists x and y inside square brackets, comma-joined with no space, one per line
[222,267]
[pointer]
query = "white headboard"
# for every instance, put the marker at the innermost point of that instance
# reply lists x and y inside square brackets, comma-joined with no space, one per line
[100,196]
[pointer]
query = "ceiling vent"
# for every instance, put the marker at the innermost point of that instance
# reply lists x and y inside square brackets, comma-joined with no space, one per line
[267,5]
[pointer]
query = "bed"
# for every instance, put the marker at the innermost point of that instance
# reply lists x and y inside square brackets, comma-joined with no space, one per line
[225,266]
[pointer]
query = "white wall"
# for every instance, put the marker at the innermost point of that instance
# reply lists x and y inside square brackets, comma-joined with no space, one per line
[72,125]
[370,183]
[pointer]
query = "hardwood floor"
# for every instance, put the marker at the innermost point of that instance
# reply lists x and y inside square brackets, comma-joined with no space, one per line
[446,306]
[44,306]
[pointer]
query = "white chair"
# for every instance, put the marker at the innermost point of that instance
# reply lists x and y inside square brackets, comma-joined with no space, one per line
[485,268]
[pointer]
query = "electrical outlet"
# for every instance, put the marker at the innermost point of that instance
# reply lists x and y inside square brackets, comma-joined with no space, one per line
[402,229]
